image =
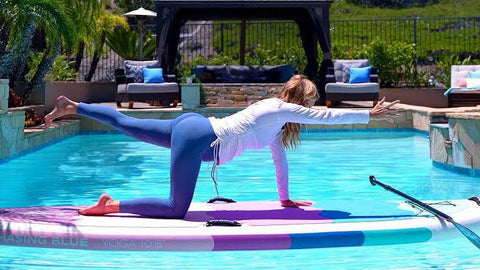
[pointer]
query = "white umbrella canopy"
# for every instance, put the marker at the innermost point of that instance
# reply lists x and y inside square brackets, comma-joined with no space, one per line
[141,12]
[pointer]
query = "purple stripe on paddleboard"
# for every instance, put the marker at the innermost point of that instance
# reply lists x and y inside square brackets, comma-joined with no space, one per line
[252,242]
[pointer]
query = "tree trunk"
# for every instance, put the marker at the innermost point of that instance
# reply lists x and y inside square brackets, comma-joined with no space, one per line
[96,58]
[4,33]
[6,63]
[79,56]
[23,52]
[42,70]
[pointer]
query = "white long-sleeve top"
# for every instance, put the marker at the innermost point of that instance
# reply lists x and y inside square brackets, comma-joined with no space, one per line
[260,125]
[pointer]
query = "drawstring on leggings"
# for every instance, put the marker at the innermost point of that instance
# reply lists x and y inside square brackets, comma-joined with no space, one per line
[214,176]
[214,171]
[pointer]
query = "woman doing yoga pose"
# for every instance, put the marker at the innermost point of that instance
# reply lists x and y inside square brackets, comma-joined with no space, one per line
[192,138]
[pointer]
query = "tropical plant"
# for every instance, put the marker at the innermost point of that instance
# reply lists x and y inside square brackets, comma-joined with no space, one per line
[126,43]
[105,23]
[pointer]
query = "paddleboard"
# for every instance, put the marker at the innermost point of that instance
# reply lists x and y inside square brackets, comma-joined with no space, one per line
[253,225]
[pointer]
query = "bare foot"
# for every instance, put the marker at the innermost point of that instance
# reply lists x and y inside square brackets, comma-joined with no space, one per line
[104,205]
[63,107]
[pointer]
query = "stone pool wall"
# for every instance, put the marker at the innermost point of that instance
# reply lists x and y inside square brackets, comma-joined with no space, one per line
[456,145]
[15,139]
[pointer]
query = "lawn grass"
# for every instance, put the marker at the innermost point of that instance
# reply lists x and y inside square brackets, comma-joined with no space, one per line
[340,9]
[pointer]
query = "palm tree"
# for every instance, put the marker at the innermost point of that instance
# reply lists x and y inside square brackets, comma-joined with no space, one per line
[83,15]
[18,21]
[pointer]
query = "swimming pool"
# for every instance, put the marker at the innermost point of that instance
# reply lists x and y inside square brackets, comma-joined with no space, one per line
[328,165]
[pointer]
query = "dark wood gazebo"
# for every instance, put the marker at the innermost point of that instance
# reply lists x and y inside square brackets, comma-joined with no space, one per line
[311,16]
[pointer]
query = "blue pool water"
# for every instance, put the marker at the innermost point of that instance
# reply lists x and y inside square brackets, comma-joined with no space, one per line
[328,165]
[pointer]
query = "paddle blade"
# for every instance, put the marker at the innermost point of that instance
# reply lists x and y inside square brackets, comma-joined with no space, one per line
[473,237]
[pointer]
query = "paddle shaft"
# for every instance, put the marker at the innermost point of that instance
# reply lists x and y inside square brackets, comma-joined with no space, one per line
[420,204]
[469,234]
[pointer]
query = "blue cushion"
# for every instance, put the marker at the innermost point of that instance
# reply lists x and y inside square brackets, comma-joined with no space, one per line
[135,69]
[153,75]
[360,75]
[474,74]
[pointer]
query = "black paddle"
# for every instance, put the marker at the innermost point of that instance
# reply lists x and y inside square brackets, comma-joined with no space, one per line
[464,230]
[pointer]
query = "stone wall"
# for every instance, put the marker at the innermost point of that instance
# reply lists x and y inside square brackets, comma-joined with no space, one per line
[457,144]
[237,94]
[14,138]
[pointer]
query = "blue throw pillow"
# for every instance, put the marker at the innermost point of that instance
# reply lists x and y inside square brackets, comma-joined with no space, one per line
[153,75]
[360,75]
[474,74]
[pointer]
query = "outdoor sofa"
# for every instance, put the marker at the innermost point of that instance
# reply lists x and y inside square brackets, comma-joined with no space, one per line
[243,74]
[346,84]
[159,89]
[465,86]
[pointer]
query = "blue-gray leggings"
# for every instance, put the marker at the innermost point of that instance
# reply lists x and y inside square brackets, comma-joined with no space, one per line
[188,136]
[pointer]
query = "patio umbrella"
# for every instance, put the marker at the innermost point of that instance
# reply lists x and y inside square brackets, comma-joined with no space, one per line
[140,15]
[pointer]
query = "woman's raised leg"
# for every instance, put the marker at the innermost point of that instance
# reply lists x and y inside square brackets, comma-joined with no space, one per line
[153,131]
[188,150]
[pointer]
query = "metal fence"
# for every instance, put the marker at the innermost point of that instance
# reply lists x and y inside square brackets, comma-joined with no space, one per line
[430,35]
[206,39]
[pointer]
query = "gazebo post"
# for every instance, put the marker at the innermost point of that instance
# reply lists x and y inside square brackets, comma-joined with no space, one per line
[243,38]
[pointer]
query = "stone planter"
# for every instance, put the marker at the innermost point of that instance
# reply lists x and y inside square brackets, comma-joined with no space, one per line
[89,92]
[238,94]
[428,97]
[4,90]
[190,96]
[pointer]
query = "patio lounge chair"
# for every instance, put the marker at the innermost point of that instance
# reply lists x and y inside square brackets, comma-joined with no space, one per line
[343,85]
[460,93]
[133,88]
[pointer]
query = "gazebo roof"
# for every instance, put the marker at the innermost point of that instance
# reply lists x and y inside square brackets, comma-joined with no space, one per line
[242,3]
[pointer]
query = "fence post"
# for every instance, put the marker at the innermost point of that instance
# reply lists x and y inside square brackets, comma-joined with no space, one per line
[243,31]
[4,91]
[222,37]
[415,45]
[415,30]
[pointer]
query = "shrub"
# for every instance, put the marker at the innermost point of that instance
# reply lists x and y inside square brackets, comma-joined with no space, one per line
[395,61]
[62,69]
[341,50]
[444,62]
[280,56]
